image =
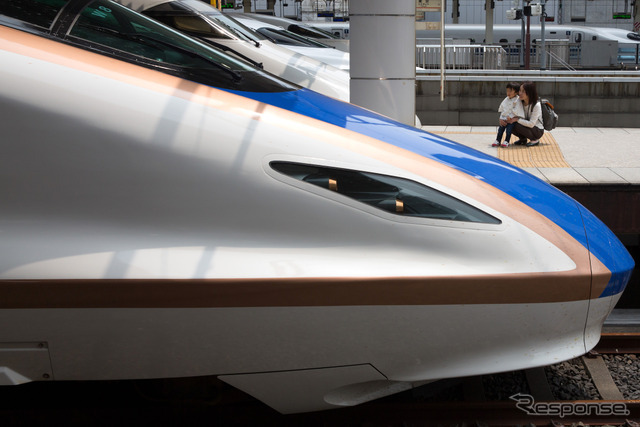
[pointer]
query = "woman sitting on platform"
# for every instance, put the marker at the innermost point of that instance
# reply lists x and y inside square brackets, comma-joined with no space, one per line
[530,126]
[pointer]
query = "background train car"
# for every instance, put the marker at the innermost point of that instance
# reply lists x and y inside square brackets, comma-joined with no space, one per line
[624,52]
[170,211]
[201,20]
[584,45]
[303,29]
[297,43]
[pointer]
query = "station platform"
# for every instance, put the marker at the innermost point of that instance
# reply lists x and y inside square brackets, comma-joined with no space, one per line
[566,156]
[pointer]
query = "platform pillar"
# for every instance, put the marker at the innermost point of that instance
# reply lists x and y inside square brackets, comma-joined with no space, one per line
[488,33]
[382,50]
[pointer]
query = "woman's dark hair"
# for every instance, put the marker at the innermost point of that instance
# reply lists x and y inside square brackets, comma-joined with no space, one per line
[530,89]
[513,85]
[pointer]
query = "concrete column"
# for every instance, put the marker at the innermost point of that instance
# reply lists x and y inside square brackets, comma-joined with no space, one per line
[382,50]
[636,26]
[543,47]
[488,32]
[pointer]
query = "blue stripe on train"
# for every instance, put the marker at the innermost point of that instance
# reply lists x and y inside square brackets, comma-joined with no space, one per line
[546,199]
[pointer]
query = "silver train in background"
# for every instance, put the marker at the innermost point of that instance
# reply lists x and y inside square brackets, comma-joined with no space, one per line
[198,19]
[169,211]
[579,46]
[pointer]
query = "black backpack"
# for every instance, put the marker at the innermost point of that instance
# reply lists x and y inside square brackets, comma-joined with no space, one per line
[549,116]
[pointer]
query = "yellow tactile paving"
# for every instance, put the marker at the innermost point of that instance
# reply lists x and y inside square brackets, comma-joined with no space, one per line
[545,155]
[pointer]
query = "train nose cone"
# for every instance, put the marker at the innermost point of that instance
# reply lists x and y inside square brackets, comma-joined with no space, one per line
[613,265]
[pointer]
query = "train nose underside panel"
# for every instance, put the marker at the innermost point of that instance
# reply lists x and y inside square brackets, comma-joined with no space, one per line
[295,359]
[498,337]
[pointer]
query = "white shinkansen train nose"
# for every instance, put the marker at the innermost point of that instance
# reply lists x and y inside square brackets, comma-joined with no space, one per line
[609,260]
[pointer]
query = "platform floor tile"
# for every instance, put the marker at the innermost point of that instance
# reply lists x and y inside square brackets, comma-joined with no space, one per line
[545,155]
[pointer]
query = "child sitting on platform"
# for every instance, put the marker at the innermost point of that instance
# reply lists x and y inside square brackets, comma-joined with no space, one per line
[509,108]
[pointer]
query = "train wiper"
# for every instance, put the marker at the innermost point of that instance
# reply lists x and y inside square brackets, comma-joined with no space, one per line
[154,42]
[241,35]
[145,39]
[235,52]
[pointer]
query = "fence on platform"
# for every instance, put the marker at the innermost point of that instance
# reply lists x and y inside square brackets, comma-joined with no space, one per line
[462,57]
[560,55]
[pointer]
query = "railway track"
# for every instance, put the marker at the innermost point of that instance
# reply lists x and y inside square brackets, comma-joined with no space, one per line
[524,398]
[530,398]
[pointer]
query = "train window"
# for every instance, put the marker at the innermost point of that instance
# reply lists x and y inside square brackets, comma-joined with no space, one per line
[287,38]
[395,195]
[227,23]
[196,26]
[120,32]
[199,19]
[40,13]
[178,16]
[103,23]
[310,32]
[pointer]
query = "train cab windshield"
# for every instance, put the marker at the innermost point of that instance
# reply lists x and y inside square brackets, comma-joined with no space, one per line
[198,19]
[114,30]
[219,21]
[307,31]
[287,38]
[633,36]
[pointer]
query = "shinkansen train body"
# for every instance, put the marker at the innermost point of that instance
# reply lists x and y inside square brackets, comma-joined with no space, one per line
[625,51]
[584,46]
[513,33]
[169,211]
[201,20]
[505,33]
[303,45]
[303,29]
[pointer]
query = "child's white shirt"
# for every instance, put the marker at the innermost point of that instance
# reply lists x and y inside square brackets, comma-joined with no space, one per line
[511,107]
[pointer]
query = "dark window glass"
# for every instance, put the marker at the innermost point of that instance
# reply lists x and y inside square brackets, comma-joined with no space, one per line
[399,196]
[214,24]
[36,12]
[194,25]
[104,23]
[225,20]
[633,36]
[240,30]
[107,24]
[178,16]
[310,32]
[288,38]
